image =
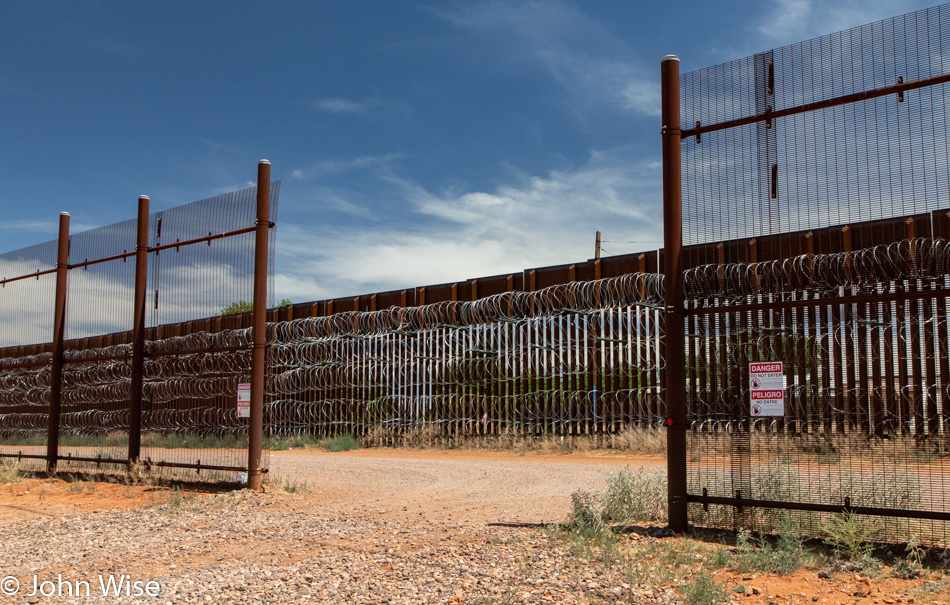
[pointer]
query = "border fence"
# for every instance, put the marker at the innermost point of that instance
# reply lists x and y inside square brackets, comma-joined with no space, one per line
[174,265]
[796,345]
[814,378]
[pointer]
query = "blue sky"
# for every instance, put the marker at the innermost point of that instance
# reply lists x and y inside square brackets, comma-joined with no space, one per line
[417,142]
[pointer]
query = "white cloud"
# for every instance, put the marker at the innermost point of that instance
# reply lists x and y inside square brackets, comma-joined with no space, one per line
[100,299]
[341,105]
[791,21]
[576,51]
[48,227]
[324,168]
[452,236]
[24,316]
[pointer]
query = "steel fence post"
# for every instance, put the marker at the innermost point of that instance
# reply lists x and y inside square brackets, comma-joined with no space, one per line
[59,332]
[673,334]
[255,437]
[138,331]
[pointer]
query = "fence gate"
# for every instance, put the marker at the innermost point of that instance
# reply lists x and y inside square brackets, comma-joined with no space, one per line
[815,351]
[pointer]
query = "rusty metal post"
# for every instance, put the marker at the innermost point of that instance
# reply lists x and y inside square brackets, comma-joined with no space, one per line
[674,337]
[59,333]
[255,430]
[138,331]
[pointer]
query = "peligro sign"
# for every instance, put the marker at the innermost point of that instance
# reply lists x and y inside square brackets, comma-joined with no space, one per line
[767,389]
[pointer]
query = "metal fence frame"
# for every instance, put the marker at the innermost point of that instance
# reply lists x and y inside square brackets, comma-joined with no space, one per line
[680,313]
[138,355]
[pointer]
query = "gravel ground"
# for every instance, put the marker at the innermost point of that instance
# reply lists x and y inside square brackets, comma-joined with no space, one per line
[368,529]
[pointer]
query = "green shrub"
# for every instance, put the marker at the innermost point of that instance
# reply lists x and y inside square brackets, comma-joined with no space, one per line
[786,557]
[850,536]
[911,566]
[705,590]
[585,518]
[635,496]
[341,443]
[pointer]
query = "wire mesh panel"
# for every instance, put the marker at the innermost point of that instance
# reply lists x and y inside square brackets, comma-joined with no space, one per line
[200,280]
[815,187]
[26,312]
[27,293]
[193,370]
[200,261]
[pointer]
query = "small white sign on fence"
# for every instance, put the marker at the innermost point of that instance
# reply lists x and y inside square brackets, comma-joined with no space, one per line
[244,400]
[766,389]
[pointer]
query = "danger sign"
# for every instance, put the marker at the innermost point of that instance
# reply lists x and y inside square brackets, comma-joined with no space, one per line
[244,400]
[767,389]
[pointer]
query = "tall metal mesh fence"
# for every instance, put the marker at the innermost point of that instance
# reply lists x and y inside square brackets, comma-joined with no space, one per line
[199,262]
[779,166]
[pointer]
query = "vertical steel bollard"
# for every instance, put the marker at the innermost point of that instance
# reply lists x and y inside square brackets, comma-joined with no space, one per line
[138,331]
[255,436]
[674,338]
[59,332]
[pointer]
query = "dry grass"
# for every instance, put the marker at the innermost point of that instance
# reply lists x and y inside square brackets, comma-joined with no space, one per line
[826,447]
[646,441]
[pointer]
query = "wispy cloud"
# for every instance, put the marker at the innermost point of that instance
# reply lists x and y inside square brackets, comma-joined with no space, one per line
[576,51]
[341,105]
[533,221]
[790,21]
[325,168]
[50,228]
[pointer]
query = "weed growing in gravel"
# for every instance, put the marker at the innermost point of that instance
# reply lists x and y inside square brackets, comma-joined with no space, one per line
[927,589]
[705,590]
[279,483]
[585,518]
[10,472]
[638,495]
[586,532]
[720,559]
[850,536]
[911,566]
[171,500]
[643,572]
[786,557]
[139,473]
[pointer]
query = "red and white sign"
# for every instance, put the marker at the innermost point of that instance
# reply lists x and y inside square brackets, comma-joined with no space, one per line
[244,400]
[767,389]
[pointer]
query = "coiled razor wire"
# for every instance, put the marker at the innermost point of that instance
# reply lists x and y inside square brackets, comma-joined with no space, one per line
[573,357]
[873,364]
[519,359]
[856,272]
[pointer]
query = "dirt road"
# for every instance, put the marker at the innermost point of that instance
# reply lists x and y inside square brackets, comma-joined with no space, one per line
[469,487]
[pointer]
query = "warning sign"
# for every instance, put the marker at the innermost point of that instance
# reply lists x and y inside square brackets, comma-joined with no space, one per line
[767,389]
[244,400]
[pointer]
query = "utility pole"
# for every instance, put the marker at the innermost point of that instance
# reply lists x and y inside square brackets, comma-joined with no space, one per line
[597,247]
